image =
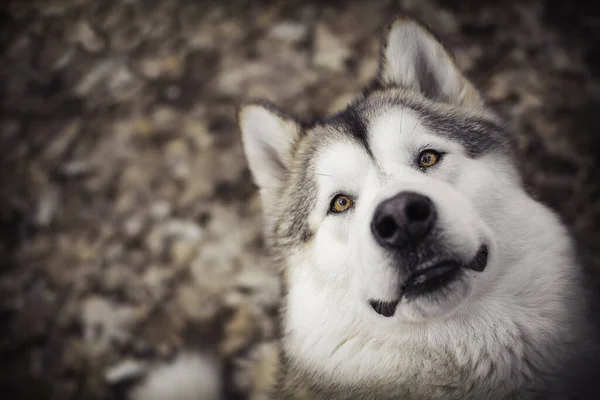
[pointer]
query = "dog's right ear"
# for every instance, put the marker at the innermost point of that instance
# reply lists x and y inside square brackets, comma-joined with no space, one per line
[411,56]
[268,136]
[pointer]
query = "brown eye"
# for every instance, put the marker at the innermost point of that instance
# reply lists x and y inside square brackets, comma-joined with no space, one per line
[341,203]
[428,158]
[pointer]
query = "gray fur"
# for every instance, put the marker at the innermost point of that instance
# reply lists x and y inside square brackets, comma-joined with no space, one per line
[564,366]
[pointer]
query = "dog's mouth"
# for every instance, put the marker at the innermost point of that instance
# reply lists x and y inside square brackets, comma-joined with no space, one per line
[431,279]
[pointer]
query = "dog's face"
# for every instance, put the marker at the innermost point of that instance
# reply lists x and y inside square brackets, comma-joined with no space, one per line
[394,206]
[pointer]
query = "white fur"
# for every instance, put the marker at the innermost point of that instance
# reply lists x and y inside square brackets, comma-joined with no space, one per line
[332,330]
[477,338]
[268,139]
[408,42]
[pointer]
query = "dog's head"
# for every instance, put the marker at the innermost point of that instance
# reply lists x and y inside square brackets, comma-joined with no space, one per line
[393,206]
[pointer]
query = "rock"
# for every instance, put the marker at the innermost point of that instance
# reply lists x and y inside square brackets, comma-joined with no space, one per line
[125,370]
[76,168]
[183,251]
[177,159]
[181,229]
[133,226]
[240,331]
[197,131]
[65,139]
[330,52]
[262,287]
[499,88]
[96,76]
[165,118]
[160,210]
[114,251]
[341,102]
[123,84]
[84,35]
[289,31]
[52,8]
[155,242]
[198,305]
[56,54]
[256,373]
[154,67]
[125,38]
[109,79]
[156,280]
[47,206]
[191,376]
[105,322]
[120,277]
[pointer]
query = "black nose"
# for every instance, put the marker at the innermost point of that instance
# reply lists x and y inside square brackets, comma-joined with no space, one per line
[403,220]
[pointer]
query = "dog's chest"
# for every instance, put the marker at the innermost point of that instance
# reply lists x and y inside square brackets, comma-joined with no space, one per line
[466,368]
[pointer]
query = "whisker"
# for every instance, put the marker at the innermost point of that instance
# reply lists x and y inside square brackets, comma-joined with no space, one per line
[415,127]
[321,174]
[402,120]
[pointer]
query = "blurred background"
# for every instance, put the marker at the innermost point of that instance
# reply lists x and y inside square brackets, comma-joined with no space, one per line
[129,226]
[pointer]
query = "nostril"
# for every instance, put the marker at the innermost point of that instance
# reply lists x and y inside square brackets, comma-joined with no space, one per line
[417,211]
[386,227]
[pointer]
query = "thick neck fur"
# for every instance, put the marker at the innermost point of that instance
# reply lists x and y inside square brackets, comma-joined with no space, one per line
[518,328]
[511,343]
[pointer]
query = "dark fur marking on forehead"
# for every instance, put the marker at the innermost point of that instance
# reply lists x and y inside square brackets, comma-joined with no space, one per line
[477,136]
[352,122]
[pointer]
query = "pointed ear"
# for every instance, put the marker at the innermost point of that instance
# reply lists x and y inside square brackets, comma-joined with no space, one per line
[268,137]
[412,57]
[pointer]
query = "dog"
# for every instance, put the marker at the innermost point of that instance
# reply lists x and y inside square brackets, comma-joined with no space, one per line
[414,264]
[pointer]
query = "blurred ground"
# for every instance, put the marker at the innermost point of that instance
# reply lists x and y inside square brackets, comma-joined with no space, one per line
[129,227]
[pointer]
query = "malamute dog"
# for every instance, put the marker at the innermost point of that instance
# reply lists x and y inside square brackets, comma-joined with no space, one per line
[414,263]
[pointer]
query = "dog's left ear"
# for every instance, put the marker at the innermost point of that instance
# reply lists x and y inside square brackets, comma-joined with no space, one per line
[268,136]
[412,57]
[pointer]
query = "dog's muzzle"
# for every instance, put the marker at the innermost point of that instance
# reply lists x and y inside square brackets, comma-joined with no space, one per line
[404,225]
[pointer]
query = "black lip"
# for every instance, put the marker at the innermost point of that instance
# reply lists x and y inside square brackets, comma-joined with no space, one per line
[479,262]
[432,279]
[385,308]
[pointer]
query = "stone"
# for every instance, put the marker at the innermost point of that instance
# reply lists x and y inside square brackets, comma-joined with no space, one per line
[133,226]
[105,322]
[84,35]
[289,31]
[154,67]
[198,305]
[330,51]
[258,372]
[58,147]
[165,118]
[57,54]
[123,84]
[262,285]
[47,206]
[76,168]
[120,277]
[125,370]
[96,76]
[191,376]
[160,210]
[125,38]
[156,280]
[182,229]
[183,251]
[240,330]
